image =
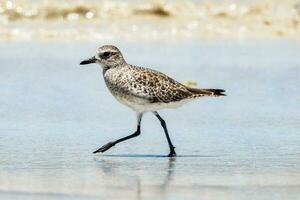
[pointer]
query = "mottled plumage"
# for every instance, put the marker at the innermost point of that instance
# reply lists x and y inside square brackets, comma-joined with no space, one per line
[145,86]
[143,89]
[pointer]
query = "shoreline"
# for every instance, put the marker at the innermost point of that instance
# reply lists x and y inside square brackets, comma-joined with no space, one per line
[148,21]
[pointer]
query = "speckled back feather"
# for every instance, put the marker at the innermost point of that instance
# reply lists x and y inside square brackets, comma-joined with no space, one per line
[151,85]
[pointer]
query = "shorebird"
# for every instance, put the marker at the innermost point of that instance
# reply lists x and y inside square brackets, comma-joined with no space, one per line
[143,90]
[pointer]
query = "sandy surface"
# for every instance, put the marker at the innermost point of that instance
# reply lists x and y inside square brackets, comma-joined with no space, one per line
[148,20]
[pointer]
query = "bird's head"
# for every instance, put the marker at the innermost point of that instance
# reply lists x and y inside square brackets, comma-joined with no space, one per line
[107,56]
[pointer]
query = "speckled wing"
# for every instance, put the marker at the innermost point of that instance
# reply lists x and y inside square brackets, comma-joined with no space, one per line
[147,85]
[156,86]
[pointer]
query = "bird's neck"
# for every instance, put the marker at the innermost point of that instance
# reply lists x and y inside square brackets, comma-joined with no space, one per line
[111,67]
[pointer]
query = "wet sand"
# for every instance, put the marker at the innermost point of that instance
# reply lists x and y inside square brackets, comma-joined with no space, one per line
[54,114]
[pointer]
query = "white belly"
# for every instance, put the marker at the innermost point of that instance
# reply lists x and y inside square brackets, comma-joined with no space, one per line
[140,105]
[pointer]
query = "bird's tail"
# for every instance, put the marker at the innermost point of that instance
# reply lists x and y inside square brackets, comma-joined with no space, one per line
[207,92]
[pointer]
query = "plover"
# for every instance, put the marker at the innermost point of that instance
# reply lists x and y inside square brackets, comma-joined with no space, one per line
[143,90]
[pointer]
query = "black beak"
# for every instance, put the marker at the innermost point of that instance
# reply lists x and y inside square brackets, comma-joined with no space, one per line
[88,61]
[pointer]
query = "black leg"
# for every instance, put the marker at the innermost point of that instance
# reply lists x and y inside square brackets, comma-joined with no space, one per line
[163,124]
[113,143]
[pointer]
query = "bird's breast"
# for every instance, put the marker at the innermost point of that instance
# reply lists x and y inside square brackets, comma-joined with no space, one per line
[118,83]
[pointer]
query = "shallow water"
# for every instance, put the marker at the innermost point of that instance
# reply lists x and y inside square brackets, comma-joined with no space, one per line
[54,114]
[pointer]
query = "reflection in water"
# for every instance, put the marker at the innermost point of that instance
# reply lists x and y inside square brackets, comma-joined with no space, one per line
[170,173]
[129,170]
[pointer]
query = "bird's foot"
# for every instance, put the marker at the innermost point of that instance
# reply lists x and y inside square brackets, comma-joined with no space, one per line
[105,147]
[172,154]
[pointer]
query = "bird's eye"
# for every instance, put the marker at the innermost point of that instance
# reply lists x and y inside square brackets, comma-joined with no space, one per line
[106,54]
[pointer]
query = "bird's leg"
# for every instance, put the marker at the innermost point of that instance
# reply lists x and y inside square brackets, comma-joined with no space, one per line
[163,124]
[113,143]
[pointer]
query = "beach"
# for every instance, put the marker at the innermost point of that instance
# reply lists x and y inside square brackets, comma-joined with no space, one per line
[154,20]
[55,113]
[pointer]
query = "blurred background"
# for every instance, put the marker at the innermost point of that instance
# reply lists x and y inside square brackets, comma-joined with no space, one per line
[148,20]
[55,113]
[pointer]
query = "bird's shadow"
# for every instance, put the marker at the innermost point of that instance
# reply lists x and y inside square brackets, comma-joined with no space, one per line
[155,156]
